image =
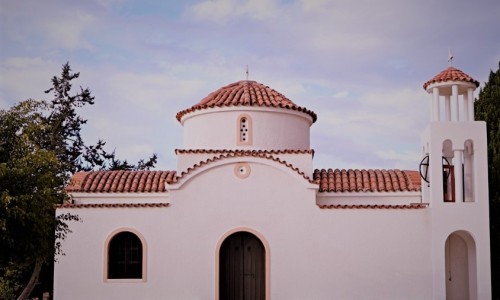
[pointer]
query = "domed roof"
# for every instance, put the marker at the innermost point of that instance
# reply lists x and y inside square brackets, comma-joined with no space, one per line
[245,93]
[451,74]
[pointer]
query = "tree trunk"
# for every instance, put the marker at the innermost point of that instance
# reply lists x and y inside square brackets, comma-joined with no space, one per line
[33,280]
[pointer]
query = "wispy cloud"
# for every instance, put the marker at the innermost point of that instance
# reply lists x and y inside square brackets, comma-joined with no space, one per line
[67,31]
[358,64]
[223,10]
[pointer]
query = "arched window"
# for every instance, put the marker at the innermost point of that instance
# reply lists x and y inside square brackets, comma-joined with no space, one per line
[448,172]
[244,130]
[125,256]
[468,171]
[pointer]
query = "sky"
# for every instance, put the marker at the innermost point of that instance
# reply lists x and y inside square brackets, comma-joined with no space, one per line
[360,65]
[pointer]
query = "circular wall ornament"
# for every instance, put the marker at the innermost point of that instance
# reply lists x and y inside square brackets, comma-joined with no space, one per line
[242,170]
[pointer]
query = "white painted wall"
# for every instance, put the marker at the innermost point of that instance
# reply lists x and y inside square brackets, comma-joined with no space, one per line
[273,128]
[314,253]
[301,161]
[470,217]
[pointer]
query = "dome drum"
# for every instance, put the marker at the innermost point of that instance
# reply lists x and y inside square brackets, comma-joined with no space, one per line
[264,129]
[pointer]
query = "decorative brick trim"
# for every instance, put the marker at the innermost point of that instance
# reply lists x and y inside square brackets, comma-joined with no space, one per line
[373,206]
[241,154]
[114,205]
[221,151]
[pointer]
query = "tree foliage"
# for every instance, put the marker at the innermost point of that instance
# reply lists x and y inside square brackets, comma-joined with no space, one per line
[40,148]
[487,108]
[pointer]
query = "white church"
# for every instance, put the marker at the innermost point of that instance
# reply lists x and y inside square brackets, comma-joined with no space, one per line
[244,215]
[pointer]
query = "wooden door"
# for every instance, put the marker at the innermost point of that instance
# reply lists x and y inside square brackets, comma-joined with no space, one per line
[242,268]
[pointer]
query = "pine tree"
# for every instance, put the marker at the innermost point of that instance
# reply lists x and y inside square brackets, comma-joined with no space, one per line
[487,108]
[40,148]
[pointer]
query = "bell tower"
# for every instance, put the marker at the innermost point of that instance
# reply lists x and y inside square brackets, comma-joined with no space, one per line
[455,184]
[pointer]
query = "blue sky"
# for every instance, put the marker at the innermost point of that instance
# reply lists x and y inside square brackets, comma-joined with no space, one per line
[359,65]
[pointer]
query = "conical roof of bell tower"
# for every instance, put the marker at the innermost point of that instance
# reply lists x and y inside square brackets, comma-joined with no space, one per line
[451,74]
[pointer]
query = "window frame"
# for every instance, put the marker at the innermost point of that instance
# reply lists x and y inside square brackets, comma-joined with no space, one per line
[249,130]
[106,257]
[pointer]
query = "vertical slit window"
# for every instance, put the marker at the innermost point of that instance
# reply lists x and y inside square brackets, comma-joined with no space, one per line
[244,130]
[468,171]
[448,170]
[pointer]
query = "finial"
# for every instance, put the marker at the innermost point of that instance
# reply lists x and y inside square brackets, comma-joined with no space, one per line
[450,57]
[247,72]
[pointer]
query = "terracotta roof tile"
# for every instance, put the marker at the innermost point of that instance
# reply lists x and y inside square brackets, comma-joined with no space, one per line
[451,74]
[246,93]
[328,180]
[374,206]
[120,181]
[366,180]
[114,205]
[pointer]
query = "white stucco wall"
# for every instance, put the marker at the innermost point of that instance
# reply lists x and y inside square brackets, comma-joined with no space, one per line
[301,161]
[314,253]
[273,128]
[449,217]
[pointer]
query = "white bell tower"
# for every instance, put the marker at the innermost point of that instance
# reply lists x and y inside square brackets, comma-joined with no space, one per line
[455,184]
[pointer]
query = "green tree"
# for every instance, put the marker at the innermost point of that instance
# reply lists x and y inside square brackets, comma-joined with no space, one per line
[40,148]
[487,108]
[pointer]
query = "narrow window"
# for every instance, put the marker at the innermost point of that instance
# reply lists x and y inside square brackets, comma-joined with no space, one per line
[125,256]
[448,172]
[468,171]
[448,183]
[244,130]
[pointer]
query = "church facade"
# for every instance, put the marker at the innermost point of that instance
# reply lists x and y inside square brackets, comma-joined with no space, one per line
[245,216]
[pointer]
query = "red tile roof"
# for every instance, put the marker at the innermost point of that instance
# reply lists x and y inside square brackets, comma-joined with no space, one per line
[328,180]
[114,205]
[367,180]
[120,181]
[153,181]
[246,93]
[451,74]
[374,206]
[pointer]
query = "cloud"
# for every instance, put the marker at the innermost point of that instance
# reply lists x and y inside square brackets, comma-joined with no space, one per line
[378,128]
[360,69]
[403,157]
[341,94]
[25,77]
[54,27]
[222,10]
[68,31]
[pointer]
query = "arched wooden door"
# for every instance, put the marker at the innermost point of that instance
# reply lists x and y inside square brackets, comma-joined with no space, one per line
[242,268]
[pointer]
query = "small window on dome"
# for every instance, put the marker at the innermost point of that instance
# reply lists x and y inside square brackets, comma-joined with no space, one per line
[244,130]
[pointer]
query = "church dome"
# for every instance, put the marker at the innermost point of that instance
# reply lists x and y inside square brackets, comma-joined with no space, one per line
[245,93]
[451,74]
[246,115]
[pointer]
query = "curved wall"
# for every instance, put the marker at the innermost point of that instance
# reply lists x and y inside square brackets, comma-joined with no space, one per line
[270,128]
